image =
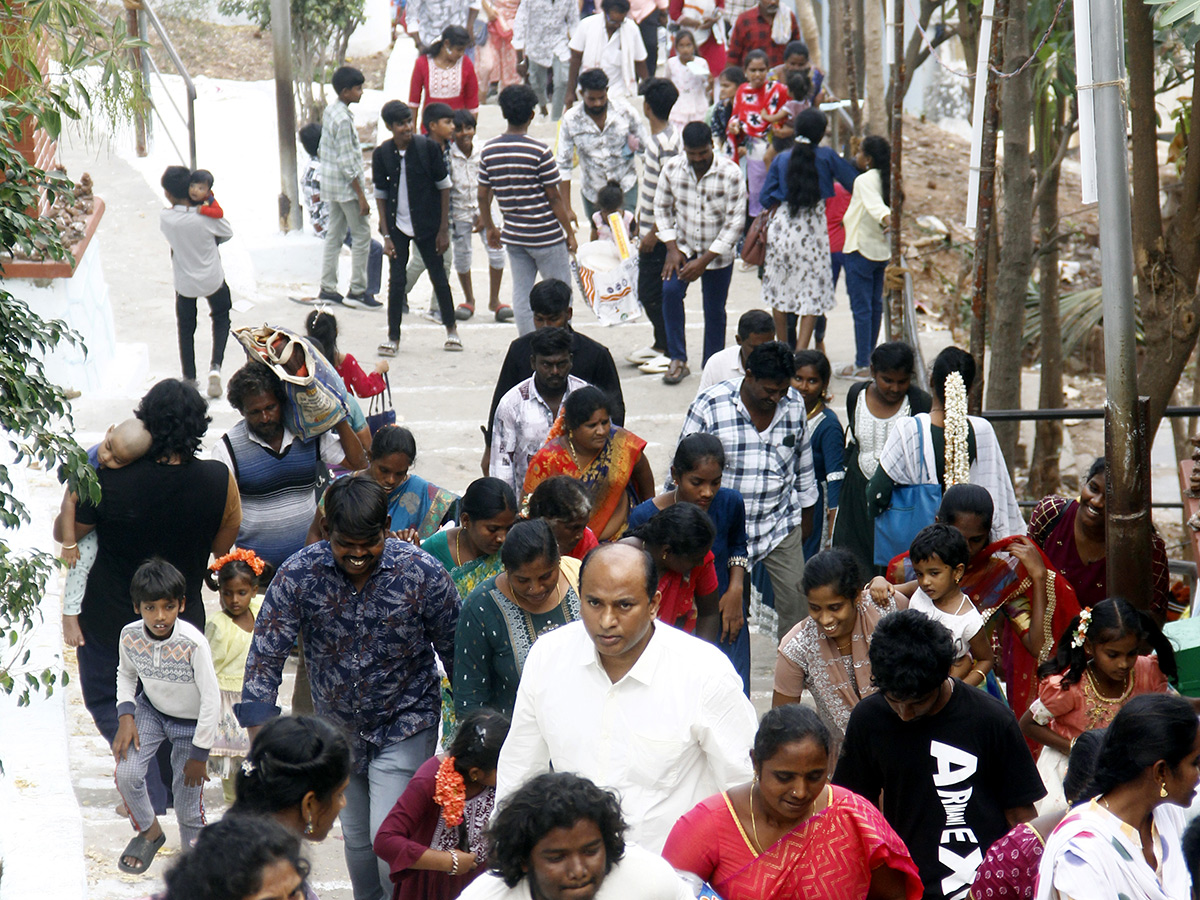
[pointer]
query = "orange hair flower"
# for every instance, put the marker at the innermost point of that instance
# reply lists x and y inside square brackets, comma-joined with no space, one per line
[450,793]
[241,554]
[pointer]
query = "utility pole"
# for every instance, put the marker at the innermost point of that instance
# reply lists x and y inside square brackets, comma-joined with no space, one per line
[290,218]
[1127,536]
[896,200]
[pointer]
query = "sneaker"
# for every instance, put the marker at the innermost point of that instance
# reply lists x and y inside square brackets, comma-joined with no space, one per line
[329,296]
[361,301]
[645,354]
[214,383]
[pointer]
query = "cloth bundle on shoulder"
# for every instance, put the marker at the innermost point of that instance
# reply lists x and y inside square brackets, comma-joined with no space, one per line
[316,391]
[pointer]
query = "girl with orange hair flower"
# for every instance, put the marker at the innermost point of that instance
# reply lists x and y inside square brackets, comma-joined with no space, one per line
[236,577]
[433,839]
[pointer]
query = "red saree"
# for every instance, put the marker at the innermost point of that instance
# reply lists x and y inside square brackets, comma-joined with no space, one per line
[829,856]
[607,477]
[1001,589]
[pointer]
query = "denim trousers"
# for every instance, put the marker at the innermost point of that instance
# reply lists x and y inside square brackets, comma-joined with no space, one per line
[369,799]
[344,216]
[537,80]
[714,288]
[864,284]
[527,263]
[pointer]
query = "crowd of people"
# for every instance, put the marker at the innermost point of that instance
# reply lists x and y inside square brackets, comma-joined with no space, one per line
[536,685]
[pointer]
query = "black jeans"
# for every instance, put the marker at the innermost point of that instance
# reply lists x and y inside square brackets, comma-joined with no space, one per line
[219,304]
[650,291]
[434,267]
[649,29]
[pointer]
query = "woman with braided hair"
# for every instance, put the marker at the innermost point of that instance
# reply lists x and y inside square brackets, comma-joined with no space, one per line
[946,446]
[433,839]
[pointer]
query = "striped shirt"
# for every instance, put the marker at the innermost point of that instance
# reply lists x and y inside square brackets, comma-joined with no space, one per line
[771,469]
[659,148]
[518,169]
[341,161]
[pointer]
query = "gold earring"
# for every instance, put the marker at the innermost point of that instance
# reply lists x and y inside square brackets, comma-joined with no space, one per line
[1162,789]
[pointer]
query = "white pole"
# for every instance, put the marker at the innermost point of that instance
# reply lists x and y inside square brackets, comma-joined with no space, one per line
[1087,114]
[978,112]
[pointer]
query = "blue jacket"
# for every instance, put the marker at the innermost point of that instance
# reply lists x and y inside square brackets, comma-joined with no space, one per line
[830,166]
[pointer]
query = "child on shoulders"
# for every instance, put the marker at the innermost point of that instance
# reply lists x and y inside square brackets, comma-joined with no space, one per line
[180,702]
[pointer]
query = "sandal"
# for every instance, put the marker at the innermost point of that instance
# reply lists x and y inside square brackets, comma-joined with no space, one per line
[849,371]
[464,312]
[504,313]
[389,348]
[143,851]
[453,343]
[677,372]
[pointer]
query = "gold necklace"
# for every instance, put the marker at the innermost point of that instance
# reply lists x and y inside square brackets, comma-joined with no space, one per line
[753,823]
[1095,688]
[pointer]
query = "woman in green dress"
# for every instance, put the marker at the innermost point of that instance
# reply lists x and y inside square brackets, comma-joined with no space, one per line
[500,621]
[470,550]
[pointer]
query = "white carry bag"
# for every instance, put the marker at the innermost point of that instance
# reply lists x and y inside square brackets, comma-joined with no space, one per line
[608,274]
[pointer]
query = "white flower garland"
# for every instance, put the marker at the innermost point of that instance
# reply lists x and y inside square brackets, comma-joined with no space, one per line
[958,457]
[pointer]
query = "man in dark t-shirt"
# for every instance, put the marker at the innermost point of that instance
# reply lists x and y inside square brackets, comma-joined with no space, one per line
[949,760]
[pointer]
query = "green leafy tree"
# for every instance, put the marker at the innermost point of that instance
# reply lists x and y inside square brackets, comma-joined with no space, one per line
[91,75]
[321,32]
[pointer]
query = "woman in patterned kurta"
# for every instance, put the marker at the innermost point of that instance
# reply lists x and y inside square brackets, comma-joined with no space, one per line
[502,618]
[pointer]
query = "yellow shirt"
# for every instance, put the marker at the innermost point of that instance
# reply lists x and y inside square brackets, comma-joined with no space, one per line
[230,644]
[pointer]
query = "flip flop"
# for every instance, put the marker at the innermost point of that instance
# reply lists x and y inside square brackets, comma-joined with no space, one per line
[389,348]
[143,851]
[453,344]
[504,314]
[464,312]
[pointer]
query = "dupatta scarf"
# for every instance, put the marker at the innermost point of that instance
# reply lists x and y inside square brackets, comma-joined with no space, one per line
[606,478]
[416,503]
[1002,591]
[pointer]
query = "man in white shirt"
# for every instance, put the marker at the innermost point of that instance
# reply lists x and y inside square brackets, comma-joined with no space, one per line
[636,705]
[561,836]
[611,41]
[754,327]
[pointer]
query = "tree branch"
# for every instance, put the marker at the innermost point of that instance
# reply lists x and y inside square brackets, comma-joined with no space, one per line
[1060,154]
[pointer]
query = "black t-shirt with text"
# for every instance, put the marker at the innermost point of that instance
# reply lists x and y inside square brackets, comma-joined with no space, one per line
[946,780]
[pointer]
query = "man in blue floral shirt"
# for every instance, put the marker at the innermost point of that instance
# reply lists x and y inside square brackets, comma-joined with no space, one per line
[372,613]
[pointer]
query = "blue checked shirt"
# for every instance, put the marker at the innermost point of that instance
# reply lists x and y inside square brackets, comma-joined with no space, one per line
[772,470]
[369,653]
[341,154]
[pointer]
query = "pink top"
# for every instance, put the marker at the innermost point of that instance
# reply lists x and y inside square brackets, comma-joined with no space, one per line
[456,86]
[1075,708]
[639,9]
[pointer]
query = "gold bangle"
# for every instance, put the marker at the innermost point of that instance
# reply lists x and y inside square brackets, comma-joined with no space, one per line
[69,546]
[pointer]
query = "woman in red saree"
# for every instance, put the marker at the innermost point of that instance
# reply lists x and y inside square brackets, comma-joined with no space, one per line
[1026,601]
[608,460]
[790,833]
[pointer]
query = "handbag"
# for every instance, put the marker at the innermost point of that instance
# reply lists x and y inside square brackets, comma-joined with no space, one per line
[754,247]
[913,507]
[380,411]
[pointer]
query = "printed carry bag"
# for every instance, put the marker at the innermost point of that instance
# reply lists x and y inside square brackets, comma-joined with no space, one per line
[316,391]
[608,275]
[381,411]
[913,507]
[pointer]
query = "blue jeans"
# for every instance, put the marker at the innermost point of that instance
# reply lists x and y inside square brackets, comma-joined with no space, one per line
[527,263]
[369,799]
[714,288]
[864,284]
[537,78]
[374,264]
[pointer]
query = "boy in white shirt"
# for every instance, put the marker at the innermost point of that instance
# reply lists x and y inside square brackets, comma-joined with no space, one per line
[464,216]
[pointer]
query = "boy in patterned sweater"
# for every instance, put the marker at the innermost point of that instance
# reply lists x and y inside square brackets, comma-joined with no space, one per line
[180,702]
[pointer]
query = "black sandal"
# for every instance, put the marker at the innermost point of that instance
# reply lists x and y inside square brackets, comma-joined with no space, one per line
[143,851]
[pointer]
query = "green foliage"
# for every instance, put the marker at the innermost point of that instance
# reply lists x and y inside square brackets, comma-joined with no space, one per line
[92,75]
[1081,312]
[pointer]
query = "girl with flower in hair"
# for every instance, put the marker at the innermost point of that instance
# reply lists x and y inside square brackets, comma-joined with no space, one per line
[433,839]
[1097,667]
[954,447]
[236,577]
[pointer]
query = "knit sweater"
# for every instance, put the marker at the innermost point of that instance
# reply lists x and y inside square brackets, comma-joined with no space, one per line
[178,678]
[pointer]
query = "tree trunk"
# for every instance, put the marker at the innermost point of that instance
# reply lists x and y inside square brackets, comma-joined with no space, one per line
[876,82]
[810,30]
[1044,472]
[1016,248]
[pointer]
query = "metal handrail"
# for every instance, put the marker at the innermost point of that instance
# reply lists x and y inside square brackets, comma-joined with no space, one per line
[1033,415]
[909,330]
[148,12]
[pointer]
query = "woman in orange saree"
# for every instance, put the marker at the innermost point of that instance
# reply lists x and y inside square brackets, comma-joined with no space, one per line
[791,834]
[608,460]
[1025,600]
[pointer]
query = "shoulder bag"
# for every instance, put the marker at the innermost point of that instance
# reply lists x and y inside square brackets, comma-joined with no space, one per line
[913,507]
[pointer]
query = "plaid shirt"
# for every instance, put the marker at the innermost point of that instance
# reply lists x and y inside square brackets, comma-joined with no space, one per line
[370,652]
[310,185]
[341,154]
[772,470]
[734,8]
[602,154]
[753,32]
[701,215]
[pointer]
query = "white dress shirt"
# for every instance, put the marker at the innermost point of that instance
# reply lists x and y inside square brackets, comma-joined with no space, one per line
[675,730]
[724,365]
[640,875]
